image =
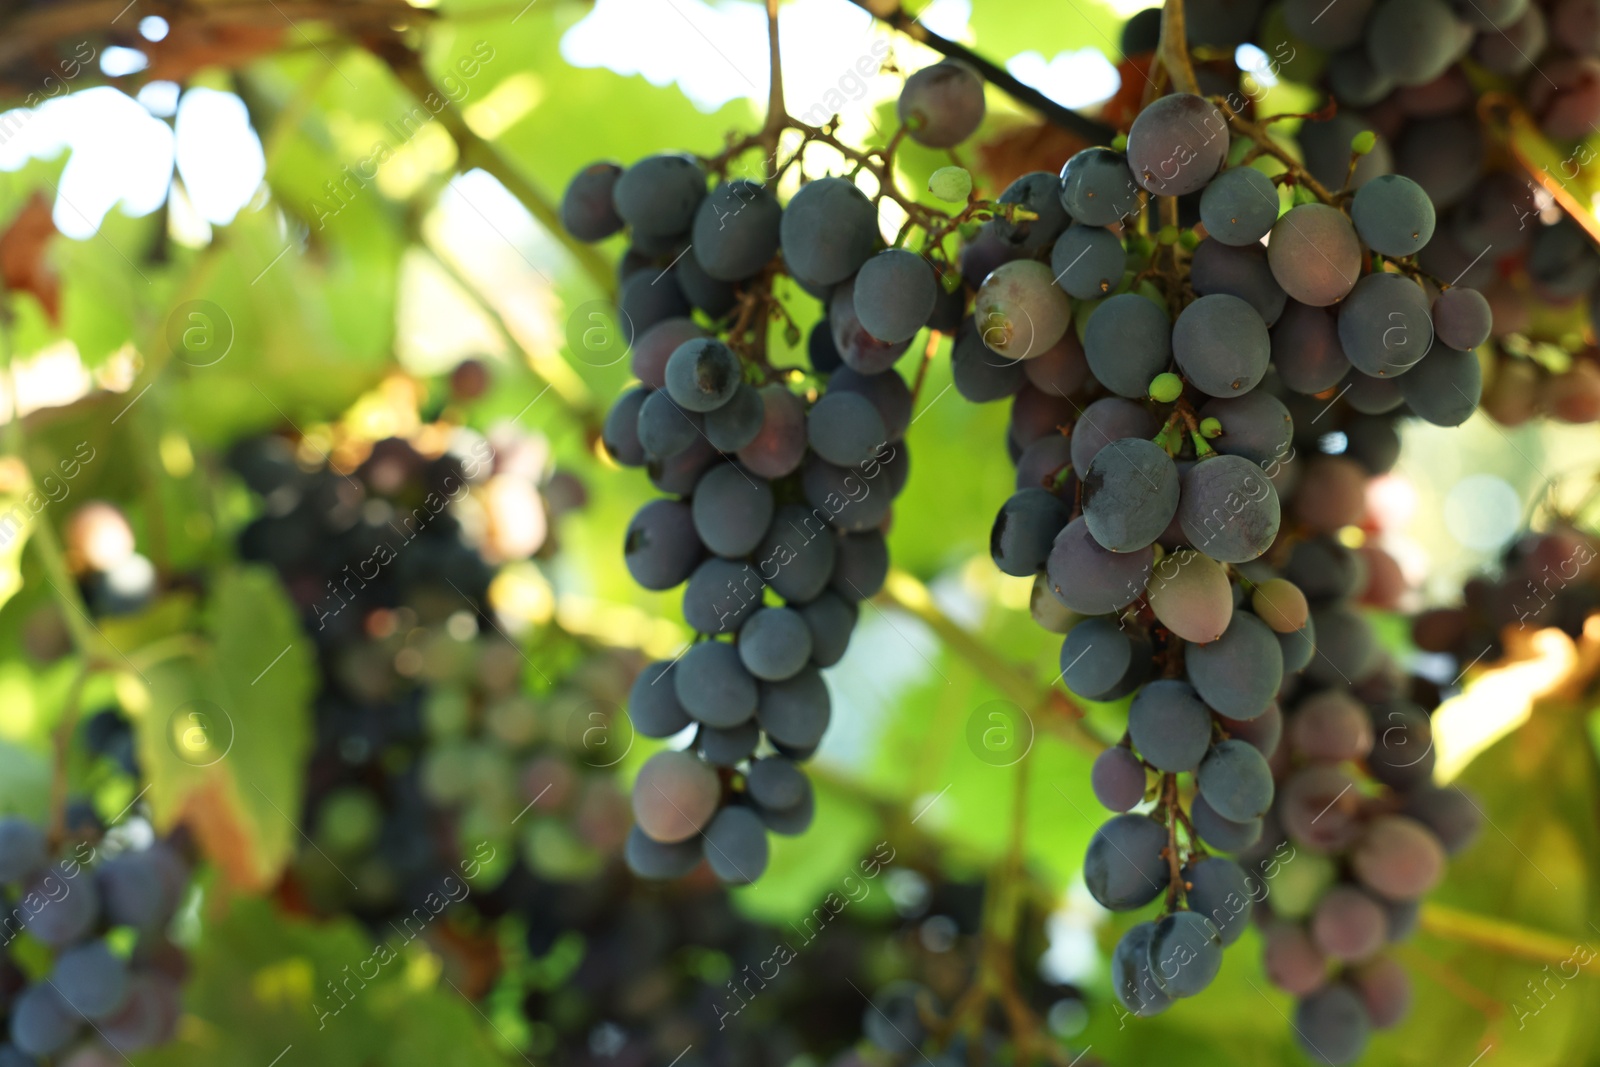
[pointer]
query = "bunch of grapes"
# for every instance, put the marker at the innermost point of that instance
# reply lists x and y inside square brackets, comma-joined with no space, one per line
[1444,92]
[1358,834]
[779,482]
[1151,442]
[389,548]
[87,972]
[1546,579]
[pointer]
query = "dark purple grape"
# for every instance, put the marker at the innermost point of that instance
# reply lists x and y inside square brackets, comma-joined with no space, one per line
[1123,867]
[648,299]
[1128,341]
[661,548]
[894,294]
[1228,509]
[653,706]
[1106,420]
[1444,388]
[22,849]
[799,554]
[1240,206]
[1461,318]
[720,595]
[1393,215]
[655,346]
[1177,144]
[736,230]
[828,231]
[587,211]
[1239,673]
[1244,272]
[1385,328]
[1024,531]
[831,618]
[1101,660]
[1221,892]
[1130,494]
[857,348]
[780,445]
[1185,953]
[1088,261]
[1091,580]
[1256,426]
[1118,779]
[795,711]
[845,428]
[1040,193]
[736,846]
[702,375]
[649,858]
[92,979]
[658,195]
[713,685]
[42,1023]
[1314,254]
[1221,345]
[1235,780]
[1131,977]
[774,644]
[1170,726]
[1221,833]
[942,105]
[1097,188]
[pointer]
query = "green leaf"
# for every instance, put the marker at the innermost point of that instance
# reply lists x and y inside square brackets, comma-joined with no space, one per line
[225,734]
[264,986]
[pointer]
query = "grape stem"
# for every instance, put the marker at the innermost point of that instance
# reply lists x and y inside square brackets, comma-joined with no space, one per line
[1173,807]
[574,395]
[772,129]
[1256,132]
[474,151]
[1508,939]
[1173,48]
[62,743]
[1091,130]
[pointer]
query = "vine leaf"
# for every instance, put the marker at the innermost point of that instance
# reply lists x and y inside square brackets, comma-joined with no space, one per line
[226,733]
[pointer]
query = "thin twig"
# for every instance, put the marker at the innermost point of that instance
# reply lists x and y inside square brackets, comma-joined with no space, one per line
[1091,130]
[1174,48]
[477,152]
[63,747]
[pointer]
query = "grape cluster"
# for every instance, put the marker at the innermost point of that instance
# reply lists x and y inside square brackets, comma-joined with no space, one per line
[113,577]
[1164,392]
[1546,579]
[388,549]
[94,969]
[779,483]
[1358,834]
[1431,83]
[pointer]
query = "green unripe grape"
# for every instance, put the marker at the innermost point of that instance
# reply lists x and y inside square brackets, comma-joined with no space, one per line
[1168,235]
[349,821]
[1166,387]
[1297,885]
[1363,142]
[1210,427]
[951,184]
